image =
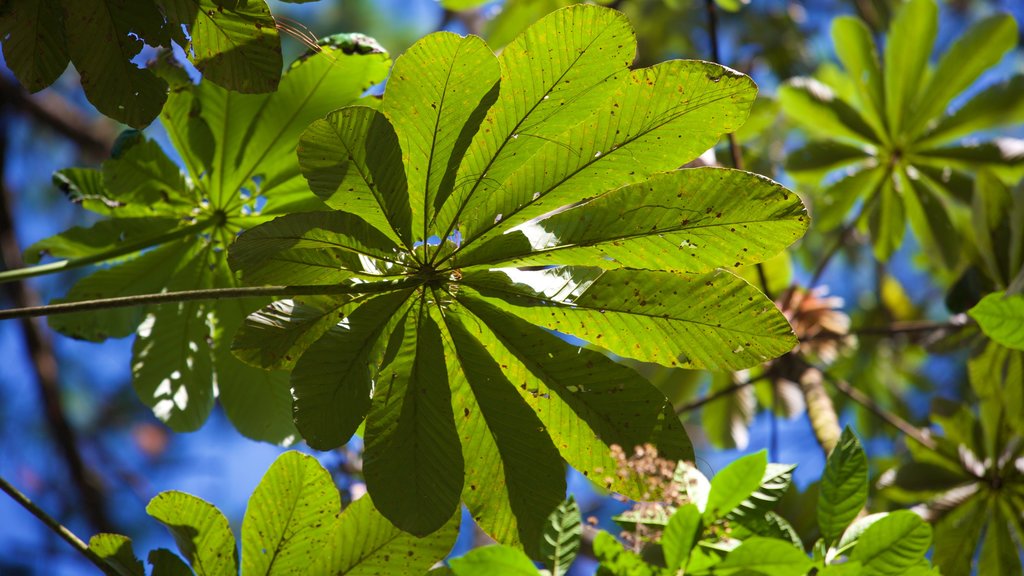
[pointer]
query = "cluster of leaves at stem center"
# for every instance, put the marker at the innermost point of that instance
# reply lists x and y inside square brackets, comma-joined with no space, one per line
[887,124]
[488,202]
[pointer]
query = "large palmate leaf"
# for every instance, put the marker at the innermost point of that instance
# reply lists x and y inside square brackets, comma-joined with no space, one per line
[173,227]
[885,124]
[234,44]
[491,207]
[293,525]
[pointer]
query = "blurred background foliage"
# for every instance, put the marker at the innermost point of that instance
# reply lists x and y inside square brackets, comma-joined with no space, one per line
[903,363]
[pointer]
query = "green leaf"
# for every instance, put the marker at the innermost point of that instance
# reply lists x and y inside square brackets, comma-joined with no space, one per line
[893,544]
[561,538]
[687,220]
[617,561]
[544,92]
[352,161]
[999,554]
[290,517]
[844,487]
[116,551]
[172,366]
[980,48]
[1000,318]
[585,401]
[713,321]
[493,560]
[411,426]
[103,36]
[366,544]
[314,248]
[681,534]
[35,47]
[661,118]
[911,37]
[514,475]
[436,98]
[236,44]
[815,106]
[274,336]
[929,219]
[331,382]
[766,556]
[734,484]
[165,563]
[998,105]
[819,157]
[856,51]
[887,220]
[200,530]
[100,238]
[774,483]
[726,421]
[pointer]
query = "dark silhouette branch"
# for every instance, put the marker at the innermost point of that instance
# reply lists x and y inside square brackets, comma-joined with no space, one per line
[955,323]
[58,115]
[43,360]
[700,402]
[56,526]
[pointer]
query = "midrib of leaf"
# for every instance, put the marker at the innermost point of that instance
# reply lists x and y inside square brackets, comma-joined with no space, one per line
[283,539]
[515,132]
[344,248]
[272,141]
[554,304]
[616,147]
[433,142]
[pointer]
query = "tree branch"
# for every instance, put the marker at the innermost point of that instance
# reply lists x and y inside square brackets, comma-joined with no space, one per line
[44,362]
[209,294]
[57,527]
[912,432]
[896,328]
[735,387]
[58,115]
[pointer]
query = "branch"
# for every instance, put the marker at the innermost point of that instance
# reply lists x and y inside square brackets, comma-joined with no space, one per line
[57,527]
[44,364]
[844,232]
[896,328]
[210,294]
[732,389]
[58,115]
[912,432]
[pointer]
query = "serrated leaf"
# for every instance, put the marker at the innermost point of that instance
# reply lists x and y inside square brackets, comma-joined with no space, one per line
[546,89]
[561,538]
[734,484]
[687,220]
[774,483]
[493,560]
[116,551]
[844,487]
[440,89]
[200,530]
[513,473]
[331,382]
[1000,318]
[659,119]
[366,544]
[893,544]
[411,425]
[688,320]
[290,518]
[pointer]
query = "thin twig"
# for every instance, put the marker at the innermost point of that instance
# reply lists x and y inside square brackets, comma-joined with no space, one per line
[44,362]
[56,526]
[896,328]
[912,432]
[209,294]
[732,389]
[844,233]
